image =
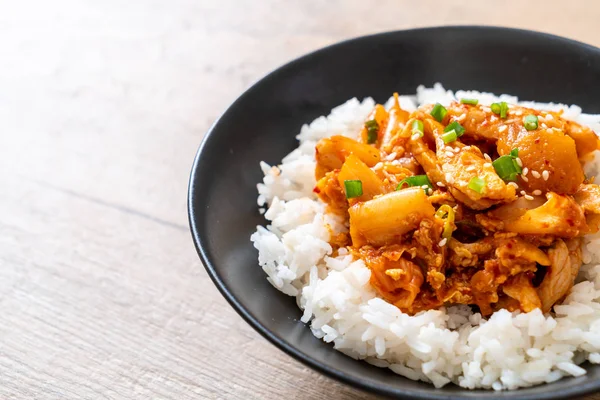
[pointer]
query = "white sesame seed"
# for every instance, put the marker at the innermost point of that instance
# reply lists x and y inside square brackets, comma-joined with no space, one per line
[377,166]
[487,157]
[424,187]
[518,112]
[449,178]
[518,160]
[502,128]
[470,168]
[391,156]
[537,192]
[429,191]
[442,242]
[535,174]
[522,193]
[549,116]
[513,184]
[528,197]
[545,175]
[487,165]
[493,119]
[415,136]
[441,184]
[462,117]
[549,130]
[449,154]
[544,125]
[525,171]
[524,178]
[457,150]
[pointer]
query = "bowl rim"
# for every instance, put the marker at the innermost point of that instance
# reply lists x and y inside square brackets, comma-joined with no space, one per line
[201,242]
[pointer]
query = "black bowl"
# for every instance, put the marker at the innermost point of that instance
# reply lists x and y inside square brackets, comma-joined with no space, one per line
[262,123]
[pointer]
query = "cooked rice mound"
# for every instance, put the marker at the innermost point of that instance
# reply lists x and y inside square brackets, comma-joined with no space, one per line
[451,344]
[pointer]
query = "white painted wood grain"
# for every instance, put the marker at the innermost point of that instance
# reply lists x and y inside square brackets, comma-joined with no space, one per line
[103,104]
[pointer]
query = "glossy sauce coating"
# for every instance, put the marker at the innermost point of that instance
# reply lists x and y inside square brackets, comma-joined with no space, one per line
[438,222]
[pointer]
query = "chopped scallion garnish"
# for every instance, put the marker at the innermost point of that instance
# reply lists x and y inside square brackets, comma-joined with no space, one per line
[439,112]
[500,109]
[530,122]
[503,109]
[472,102]
[446,213]
[417,180]
[417,128]
[507,167]
[353,188]
[372,130]
[371,124]
[449,137]
[456,127]
[477,184]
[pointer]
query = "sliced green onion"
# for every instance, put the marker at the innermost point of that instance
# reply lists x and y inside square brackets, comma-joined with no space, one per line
[371,137]
[507,167]
[371,124]
[439,112]
[472,102]
[417,180]
[495,108]
[477,184]
[456,127]
[372,130]
[517,166]
[417,128]
[443,211]
[353,188]
[446,213]
[503,109]
[530,122]
[449,137]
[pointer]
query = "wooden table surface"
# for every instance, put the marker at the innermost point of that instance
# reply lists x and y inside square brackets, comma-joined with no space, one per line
[102,107]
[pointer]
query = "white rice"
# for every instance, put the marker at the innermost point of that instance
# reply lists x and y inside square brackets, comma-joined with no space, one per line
[506,351]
